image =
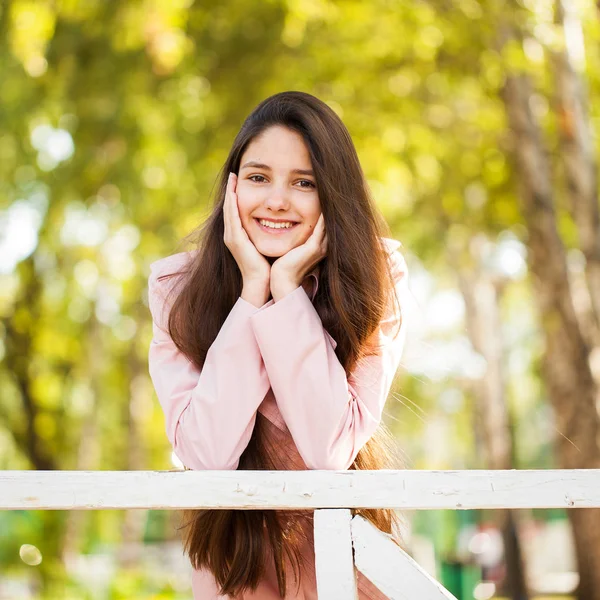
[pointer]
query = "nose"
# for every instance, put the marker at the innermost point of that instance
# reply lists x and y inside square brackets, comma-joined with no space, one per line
[277,198]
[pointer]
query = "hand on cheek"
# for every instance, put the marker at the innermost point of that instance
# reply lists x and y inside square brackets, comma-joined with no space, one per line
[288,271]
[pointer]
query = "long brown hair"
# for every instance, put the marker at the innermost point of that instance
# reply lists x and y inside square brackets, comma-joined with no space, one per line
[355,290]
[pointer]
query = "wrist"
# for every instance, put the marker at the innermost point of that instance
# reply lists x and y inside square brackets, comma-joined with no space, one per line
[282,279]
[282,288]
[256,292]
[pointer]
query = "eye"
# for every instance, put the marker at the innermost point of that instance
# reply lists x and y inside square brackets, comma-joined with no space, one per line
[251,176]
[310,183]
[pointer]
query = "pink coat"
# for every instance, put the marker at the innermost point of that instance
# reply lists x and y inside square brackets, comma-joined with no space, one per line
[277,360]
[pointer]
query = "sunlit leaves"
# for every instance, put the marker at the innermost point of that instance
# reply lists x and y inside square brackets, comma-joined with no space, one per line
[32,27]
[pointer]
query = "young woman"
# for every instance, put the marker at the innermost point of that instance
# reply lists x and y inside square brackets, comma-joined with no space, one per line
[276,340]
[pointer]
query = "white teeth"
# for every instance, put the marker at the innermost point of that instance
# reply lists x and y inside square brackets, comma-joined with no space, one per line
[273,225]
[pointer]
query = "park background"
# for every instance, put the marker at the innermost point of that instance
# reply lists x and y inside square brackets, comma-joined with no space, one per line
[474,125]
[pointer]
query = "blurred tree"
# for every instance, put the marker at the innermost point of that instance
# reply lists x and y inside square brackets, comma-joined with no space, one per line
[482,289]
[568,375]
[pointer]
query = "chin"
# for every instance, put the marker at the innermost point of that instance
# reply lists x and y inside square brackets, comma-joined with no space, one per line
[271,253]
[273,248]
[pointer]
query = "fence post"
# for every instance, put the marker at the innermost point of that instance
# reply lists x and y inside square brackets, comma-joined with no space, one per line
[334,563]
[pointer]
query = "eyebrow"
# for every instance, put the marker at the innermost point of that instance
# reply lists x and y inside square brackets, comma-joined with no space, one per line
[258,165]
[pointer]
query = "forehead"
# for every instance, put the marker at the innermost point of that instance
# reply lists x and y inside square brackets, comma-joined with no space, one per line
[278,147]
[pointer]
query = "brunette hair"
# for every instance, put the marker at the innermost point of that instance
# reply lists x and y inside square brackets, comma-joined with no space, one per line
[355,290]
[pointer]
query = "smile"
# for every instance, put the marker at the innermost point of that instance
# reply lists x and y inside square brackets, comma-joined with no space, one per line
[276,230]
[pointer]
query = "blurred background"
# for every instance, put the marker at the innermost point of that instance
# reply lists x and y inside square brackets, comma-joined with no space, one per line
[474,124]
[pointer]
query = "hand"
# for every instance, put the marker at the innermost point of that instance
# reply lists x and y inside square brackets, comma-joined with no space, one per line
[254,267]
[288,271]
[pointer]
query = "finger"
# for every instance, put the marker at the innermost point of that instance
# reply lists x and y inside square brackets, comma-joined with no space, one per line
[227,192]
[231,201]
[322,220]
[320,228]
[232,217]
[227,204]
[235,209]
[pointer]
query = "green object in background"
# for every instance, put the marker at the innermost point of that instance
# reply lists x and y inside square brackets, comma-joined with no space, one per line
[156,524]
[460,579]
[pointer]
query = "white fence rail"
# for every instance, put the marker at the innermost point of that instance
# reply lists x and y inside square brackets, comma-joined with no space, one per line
[330,493]
[403,490]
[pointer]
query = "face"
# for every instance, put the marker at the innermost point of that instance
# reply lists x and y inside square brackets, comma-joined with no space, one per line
[275,183]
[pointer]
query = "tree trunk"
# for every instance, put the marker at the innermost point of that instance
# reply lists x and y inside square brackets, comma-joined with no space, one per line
[484,328]
[568,377]
[88,452]
[20,333]
[577,153]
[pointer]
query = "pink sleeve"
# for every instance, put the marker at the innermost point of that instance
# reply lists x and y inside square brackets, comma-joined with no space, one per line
[330,417]
[209,413]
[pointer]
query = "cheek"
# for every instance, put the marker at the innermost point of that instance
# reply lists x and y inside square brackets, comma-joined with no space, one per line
[309,228]
[245,205]
[310,209]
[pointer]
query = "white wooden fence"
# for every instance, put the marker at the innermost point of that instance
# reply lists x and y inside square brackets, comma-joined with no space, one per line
[330,493]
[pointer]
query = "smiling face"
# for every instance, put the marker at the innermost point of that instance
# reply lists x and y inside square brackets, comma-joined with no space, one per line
[275,183]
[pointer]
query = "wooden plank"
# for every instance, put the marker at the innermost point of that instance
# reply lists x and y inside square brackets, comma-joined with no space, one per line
[403,490]
[336,579]
[390,568]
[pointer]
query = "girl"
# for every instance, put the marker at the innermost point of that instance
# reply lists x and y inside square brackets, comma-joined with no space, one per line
[276,341]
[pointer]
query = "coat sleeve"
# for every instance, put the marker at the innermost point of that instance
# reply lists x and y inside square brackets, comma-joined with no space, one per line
[330,416]
[209,413]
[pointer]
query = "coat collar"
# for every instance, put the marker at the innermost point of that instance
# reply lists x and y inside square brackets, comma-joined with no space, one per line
[312,281]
